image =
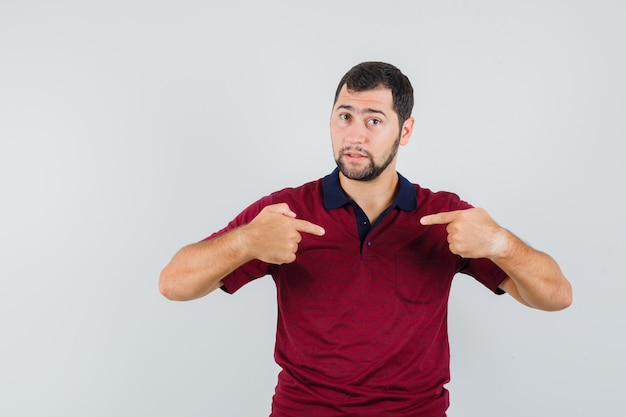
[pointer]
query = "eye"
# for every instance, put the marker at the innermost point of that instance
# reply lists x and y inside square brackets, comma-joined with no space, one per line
[344,116]
[374,122]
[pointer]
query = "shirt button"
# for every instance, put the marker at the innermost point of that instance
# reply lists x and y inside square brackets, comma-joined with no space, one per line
[369,243]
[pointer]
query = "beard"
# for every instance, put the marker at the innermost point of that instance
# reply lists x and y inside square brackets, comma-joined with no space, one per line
[371,171]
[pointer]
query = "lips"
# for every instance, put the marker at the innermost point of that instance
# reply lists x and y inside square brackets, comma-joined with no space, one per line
[354,153]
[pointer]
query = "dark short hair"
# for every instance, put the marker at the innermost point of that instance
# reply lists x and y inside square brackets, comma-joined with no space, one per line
[370,75]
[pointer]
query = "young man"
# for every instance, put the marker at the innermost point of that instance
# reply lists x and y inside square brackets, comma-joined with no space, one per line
[363,261]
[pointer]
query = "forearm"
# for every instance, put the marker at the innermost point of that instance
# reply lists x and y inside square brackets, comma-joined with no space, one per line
[197,269]
[537,279]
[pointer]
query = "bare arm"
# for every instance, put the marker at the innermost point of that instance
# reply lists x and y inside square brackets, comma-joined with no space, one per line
[272,236]
[534,278]
[197,269]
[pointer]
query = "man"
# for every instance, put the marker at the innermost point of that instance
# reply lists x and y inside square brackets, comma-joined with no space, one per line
[363,261]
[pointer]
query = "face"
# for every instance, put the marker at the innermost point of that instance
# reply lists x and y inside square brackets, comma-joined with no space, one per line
[365,133]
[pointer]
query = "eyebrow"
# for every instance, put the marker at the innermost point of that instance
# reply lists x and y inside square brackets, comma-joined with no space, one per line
[362,111]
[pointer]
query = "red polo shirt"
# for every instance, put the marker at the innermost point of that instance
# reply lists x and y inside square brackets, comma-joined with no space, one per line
[362,312]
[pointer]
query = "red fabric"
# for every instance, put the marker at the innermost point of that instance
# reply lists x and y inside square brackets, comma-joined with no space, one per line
[363,333]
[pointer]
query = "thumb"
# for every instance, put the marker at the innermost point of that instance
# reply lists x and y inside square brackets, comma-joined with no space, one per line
[282,208]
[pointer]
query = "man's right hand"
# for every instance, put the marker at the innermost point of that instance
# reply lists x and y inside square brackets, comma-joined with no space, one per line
[274,234]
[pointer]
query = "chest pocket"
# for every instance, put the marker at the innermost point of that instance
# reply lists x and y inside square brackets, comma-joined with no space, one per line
[422,280]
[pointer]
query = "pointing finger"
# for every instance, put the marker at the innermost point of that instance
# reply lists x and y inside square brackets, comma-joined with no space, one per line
[439,218]
[308,227]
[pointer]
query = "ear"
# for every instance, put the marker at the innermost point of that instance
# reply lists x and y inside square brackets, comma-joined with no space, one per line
[406,131]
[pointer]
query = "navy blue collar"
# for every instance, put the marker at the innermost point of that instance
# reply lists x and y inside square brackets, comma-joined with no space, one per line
[335,197]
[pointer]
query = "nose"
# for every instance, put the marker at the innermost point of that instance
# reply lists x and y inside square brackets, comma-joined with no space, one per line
[356,134]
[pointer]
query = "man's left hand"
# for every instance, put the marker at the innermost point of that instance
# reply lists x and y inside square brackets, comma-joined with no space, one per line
[472,233]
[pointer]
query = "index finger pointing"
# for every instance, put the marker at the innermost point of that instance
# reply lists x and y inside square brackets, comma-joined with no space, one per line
[308,227]
[439,218]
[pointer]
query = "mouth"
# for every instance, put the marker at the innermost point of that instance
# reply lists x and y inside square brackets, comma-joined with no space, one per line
[354,155]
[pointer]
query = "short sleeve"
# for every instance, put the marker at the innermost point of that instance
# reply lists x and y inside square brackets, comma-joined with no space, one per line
[483,270]
[486,272]
[253,269]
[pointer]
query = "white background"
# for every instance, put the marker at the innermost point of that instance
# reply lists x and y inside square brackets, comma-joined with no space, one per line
[131,128]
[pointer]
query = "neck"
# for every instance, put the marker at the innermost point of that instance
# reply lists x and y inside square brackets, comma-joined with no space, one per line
[372,196]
